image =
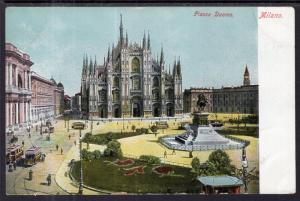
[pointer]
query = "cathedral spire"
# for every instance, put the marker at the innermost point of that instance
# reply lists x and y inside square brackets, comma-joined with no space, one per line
[175,67]
[178,67]
[121,31]
[161,56]
[126,40]
[112,53]
[108,54]
[95,65]
[144,41]
[148,43]
[91,66]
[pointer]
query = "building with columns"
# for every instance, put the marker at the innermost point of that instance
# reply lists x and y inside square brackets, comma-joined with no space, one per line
[17,87]
[131,82]
[237,99]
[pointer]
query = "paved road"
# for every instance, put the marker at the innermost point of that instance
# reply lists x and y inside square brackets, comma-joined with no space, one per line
[17,182]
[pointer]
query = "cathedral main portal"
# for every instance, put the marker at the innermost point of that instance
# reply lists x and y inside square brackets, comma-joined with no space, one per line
[136,110]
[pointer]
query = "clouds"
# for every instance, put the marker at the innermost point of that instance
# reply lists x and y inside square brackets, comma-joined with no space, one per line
[213,51]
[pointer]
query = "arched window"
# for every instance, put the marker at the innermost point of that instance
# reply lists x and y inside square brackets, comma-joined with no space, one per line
[155,82]
[102,95]
[135,65]
[116,82]
[136,83]
[20,84]
[155,94]
[169,94]
[116,96]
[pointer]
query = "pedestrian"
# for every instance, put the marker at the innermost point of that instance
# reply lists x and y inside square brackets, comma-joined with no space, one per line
[49,179]
[69,136]
[173,152]
[29,135]
[56,147]
[15,165]
[23,143]
[165,154]
[61,151]
[75,142]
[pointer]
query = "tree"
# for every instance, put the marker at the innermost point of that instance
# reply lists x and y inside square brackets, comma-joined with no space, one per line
[221,162]
[196,165]
[153,129]
[113,149]
[133,128]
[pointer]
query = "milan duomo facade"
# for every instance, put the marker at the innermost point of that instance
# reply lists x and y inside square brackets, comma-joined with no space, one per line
[131,83]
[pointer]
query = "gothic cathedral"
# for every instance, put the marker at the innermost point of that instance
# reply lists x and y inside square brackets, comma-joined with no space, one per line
[131,83]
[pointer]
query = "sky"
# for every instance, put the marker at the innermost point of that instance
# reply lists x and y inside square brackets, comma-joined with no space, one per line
[213,50]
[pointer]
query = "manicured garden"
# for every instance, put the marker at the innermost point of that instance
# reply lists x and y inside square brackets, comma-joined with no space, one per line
[136,176]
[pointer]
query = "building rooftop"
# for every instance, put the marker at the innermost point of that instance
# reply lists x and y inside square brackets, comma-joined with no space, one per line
[220,181]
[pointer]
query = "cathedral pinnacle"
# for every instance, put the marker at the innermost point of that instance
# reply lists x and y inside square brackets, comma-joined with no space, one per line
[148,44]
[121,32]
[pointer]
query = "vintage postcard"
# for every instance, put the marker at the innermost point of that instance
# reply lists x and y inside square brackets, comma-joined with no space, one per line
[149,100]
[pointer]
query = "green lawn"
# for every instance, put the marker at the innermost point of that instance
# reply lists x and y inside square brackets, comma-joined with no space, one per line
[103,175]
[233,129]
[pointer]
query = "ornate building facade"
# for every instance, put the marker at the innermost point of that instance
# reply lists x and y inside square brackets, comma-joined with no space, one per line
[240,99]
[47,98]
[17,87]
[131,83]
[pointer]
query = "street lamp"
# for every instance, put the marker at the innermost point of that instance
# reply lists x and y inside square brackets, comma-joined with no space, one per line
[123,120]
[244,168]
[92,124]
[80,126]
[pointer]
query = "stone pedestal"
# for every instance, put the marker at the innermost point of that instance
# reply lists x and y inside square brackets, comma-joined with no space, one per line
[200,119]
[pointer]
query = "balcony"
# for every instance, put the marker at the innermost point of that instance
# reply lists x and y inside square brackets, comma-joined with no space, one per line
[17,90]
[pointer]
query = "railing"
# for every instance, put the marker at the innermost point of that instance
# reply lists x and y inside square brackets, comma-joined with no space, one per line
[242,144]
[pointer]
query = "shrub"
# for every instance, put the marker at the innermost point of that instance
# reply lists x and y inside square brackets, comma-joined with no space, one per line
[149,159]
[97,154]
[133,128]
[154,129]
[196,164]
[113,149]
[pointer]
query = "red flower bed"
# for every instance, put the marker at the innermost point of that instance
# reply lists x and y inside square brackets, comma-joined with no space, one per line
[124,162]
[162,170]
[134,170]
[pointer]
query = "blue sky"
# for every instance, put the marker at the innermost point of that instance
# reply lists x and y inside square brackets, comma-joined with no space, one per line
[213,50]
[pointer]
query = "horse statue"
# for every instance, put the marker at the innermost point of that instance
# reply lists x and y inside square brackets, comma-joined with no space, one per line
[201,102]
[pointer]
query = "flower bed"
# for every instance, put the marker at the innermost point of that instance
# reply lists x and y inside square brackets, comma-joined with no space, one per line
[162,170]
[124,162]
[134,170]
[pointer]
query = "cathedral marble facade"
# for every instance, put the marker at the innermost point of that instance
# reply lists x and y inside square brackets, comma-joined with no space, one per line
[131,83]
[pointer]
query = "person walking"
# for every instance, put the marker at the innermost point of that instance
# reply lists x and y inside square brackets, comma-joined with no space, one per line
[23,143]
[69,136]
[173,152]
[56,147]
[165,154]
[49,179]
[61,151]
[75,142]
[15,165]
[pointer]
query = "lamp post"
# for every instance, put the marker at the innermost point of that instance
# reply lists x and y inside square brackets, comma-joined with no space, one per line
[244,168]
[80,191]
[92,124]
[123,120]
[80,126]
